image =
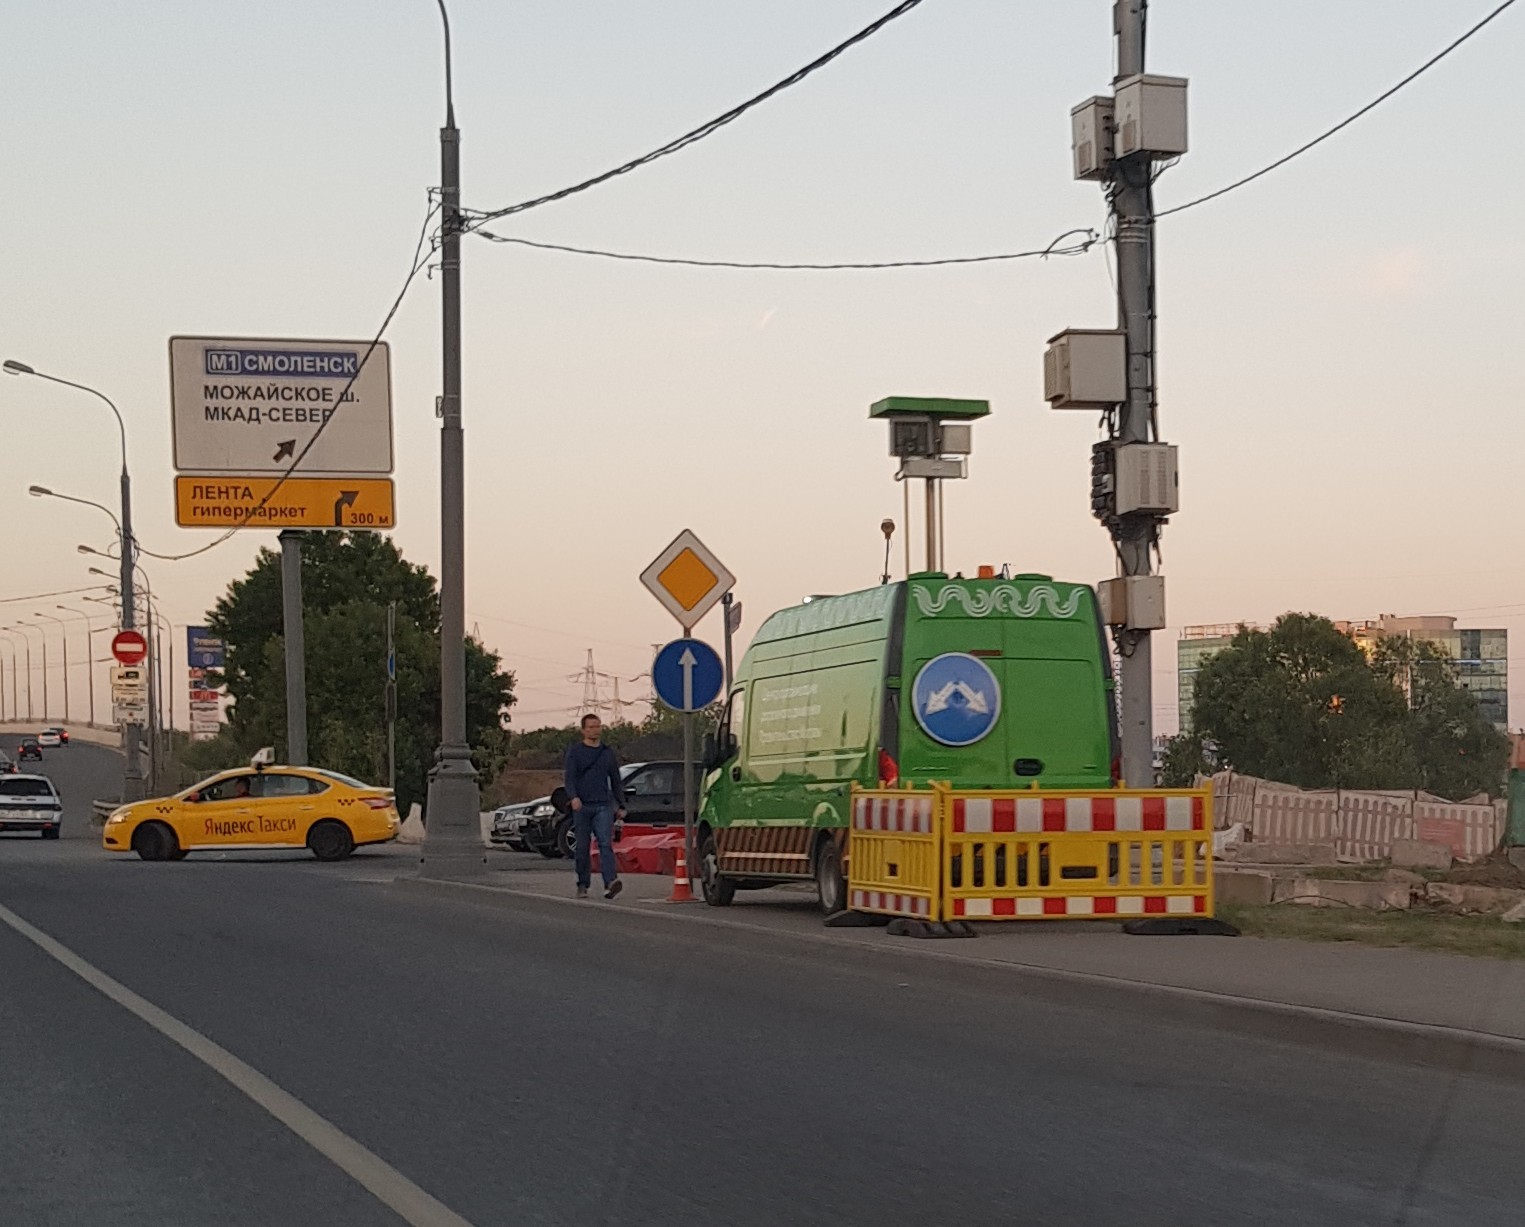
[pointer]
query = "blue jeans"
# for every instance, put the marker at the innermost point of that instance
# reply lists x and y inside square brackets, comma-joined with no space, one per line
[589,822]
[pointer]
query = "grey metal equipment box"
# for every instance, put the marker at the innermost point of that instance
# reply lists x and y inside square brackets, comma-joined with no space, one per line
[1091,137]
[1147,481]
[1151,116]
[1086,368]
[955,439]
[1136,602]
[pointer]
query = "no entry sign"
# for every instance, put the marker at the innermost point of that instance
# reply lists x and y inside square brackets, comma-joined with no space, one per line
[129,647]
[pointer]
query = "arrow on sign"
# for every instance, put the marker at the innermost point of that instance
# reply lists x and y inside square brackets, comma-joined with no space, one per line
[687,661]
[346,499]
[283,449]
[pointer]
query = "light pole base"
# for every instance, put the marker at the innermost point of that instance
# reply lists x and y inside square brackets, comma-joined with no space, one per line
[453,850]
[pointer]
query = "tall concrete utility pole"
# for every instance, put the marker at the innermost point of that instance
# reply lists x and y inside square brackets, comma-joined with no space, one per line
[296,647]
[452,833]
[1136,536]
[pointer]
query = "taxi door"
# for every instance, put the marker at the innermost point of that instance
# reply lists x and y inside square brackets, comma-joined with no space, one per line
[221,815]
[283,807]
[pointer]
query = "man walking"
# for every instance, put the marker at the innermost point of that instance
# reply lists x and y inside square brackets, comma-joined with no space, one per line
[597,797]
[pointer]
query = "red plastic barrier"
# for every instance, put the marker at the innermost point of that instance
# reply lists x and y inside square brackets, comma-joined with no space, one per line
[654,853]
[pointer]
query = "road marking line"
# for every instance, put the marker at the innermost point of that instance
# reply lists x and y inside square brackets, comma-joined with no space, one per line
[380,1179]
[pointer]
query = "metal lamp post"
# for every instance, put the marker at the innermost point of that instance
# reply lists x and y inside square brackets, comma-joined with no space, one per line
[89,657]
[452,838]
[15,703]
[42,636]
[64,634]
[132,772]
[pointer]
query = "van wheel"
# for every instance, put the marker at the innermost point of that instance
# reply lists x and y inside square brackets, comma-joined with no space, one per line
[717,891]
[330,840]
[830,885]
[154,841]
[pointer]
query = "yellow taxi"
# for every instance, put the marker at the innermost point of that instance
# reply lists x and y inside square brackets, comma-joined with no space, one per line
[261,806]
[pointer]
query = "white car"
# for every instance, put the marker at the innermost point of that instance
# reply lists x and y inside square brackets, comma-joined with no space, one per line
[49,739]
[30,803]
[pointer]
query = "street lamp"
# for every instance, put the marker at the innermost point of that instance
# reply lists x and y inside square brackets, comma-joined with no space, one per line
[15,707]
[452,840]
[64,633]
[24,627]
[132,772]
[89,656]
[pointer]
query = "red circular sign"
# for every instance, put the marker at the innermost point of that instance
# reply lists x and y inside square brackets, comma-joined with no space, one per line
[129,647]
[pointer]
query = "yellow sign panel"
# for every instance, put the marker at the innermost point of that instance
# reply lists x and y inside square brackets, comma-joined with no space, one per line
[296,502]
[687,579]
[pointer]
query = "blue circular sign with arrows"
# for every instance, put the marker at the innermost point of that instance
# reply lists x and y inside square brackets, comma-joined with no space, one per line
[956,699]
[687,675]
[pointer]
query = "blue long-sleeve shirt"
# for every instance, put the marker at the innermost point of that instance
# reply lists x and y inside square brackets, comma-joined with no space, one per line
[593,775]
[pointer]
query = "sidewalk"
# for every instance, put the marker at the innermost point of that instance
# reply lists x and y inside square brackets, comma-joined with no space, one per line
[1485,997]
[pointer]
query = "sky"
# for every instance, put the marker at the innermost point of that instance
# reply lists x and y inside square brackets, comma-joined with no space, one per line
[1340,360]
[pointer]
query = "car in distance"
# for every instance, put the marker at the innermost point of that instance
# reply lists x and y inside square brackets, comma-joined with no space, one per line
[49,739]
[63,733]
[29,748]
[30,803]
[262,806]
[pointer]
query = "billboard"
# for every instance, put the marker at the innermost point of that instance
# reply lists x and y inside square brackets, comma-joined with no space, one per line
[203,651]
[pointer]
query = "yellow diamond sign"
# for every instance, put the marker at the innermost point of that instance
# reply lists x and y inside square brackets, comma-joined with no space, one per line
[688,579]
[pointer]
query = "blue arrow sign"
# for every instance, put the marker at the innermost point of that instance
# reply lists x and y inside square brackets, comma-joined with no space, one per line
[687,675]
[956,699]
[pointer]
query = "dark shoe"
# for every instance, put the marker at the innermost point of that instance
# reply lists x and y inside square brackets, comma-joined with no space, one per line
[582,892]
[614,888]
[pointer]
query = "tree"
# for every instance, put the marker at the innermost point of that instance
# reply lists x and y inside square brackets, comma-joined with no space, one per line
[1302,704]
[348,579]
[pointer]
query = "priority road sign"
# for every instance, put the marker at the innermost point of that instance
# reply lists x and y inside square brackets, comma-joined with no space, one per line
[129,647]
[687,579]
[687,675]
[296,502]
[249,406]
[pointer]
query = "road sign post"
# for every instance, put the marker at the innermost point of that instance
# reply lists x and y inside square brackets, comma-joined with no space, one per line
[687,676]
[688,580]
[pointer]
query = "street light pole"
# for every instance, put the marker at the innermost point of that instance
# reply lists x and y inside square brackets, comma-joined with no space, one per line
[15,701]
[132,771]
[89,658]
[452,834]
[42,636]
[64,633]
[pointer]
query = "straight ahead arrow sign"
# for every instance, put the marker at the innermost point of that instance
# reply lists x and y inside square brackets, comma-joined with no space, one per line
[687,661]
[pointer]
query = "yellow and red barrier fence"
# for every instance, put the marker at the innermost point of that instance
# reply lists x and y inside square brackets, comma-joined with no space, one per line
[940,854]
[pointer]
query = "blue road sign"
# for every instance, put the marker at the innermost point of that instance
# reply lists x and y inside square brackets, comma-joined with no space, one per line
[203,650]
[956,698]
[687,675]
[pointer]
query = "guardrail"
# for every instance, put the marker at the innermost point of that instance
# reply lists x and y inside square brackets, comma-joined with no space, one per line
[101,810]
[944,855]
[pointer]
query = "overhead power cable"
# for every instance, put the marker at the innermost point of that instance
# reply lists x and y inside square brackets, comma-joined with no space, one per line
[420,259]
[703,130]
[1057,248]
[1344,123]
[39,596]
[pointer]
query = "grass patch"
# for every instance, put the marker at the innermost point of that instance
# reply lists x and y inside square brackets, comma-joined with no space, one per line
[1483,936]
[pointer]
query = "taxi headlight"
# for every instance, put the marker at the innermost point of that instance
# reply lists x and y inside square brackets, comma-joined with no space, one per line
[119,815]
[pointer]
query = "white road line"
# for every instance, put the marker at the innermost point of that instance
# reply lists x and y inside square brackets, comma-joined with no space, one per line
[381,1180]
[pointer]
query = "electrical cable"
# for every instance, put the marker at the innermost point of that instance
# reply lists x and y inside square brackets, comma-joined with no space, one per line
[703,130]
[1344,123]
[1090,239]
[420,259]
[40,596]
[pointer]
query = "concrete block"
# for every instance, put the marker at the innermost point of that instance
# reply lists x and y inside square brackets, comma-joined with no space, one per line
[1407,876]
[1420,854]
[1480,900]
[1242,887]
[1517,857]
[1380,896]
[412,829]
[1516,914]
[1290,854]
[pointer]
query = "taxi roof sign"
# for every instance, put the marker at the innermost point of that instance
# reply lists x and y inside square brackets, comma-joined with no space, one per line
[687,579]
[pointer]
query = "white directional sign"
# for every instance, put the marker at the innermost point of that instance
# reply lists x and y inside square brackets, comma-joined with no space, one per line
[129,683]
[250,406]
[688,579]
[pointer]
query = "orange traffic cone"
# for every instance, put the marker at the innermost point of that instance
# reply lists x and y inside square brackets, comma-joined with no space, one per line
[680,887]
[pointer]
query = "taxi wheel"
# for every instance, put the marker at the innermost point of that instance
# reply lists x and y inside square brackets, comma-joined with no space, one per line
[330,840]
[179,854]
[154,841]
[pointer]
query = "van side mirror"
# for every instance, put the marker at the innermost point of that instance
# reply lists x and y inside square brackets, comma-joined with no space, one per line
[708,752]
[732,745]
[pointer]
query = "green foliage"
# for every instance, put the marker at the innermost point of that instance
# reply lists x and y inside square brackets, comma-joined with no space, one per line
[347,582]
[1302,704]
[1187,756]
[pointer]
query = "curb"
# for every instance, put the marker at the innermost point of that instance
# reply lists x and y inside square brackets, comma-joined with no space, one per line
[1359,1035]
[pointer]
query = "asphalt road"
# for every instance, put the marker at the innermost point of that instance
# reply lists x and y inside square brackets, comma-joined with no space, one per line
[82,773]
[590,1064]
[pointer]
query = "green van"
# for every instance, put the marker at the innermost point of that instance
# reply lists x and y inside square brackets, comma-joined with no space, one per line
[981,683]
